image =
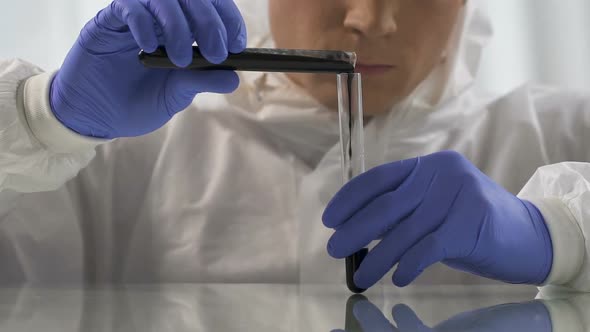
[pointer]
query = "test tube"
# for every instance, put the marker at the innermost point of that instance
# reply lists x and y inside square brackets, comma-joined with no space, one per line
[262,60]
[352,144]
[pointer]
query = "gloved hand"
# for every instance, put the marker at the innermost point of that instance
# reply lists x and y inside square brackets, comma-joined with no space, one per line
[517,317]
[437,208]
[102,90]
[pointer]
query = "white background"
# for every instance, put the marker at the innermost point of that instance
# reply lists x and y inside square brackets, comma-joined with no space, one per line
[546,41]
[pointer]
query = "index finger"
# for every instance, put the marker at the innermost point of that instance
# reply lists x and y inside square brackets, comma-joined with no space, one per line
[234,24]
[363,189]
[208,29]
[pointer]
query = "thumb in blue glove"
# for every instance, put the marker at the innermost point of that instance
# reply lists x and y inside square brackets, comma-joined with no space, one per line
[103,91]
[437,208]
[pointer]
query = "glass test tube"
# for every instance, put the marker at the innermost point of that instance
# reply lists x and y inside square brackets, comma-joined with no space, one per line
[350,111]
[352,145]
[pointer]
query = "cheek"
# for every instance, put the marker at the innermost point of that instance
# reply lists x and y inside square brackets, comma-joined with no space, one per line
[305,24]
[425,30]
[420,58]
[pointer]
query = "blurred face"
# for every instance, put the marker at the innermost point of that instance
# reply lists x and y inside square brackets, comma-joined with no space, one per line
[398,42]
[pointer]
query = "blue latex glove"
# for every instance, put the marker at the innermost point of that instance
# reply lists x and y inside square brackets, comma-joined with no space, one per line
[437,208]
[102,90]
[517,317]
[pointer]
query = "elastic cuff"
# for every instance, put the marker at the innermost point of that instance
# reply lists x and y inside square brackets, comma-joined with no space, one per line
[566,238]
[46,128]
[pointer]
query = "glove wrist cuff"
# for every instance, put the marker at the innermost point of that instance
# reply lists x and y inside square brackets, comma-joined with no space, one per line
[543,232]
[566,238]
[44,125]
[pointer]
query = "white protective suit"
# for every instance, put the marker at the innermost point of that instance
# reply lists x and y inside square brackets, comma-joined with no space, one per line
[232,189]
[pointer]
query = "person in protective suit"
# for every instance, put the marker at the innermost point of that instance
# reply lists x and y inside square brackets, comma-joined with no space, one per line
[112,172]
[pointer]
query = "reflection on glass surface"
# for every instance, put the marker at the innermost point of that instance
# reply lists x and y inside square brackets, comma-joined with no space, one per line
[364,316]
[228,308]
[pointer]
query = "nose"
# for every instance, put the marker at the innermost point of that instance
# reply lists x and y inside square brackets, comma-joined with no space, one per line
[372,18]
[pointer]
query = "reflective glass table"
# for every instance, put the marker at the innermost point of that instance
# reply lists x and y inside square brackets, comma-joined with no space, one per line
[262,307]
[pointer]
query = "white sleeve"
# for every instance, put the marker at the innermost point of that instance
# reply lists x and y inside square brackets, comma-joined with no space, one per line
[562,194]
[37,153]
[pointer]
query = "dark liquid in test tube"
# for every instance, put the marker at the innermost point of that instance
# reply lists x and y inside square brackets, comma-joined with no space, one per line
[350,111]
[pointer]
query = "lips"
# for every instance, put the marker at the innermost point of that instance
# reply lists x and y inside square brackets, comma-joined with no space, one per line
[372,69]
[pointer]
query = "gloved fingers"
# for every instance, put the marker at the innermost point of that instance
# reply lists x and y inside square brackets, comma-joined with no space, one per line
[434,247]
[372,222]
[363,189]
[182,86]
[207,28]
[387,253]
[178,38]
[110,31]
[428,251]
[407,320]
[111,17]
[463,225]
[140,22]
[370,318]
[426,219]
[237,34]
